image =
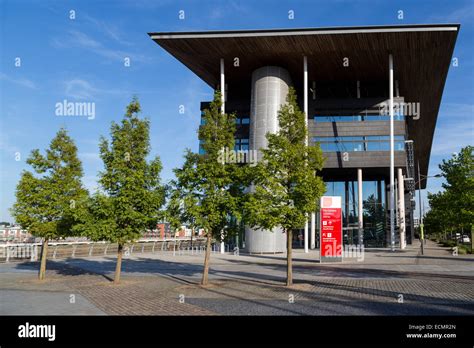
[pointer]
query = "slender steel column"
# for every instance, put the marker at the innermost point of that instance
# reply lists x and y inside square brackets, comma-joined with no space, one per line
[401,208]
[305,66]
[360,206]
[392,156]
[420,221]
[222,86]
[223,111]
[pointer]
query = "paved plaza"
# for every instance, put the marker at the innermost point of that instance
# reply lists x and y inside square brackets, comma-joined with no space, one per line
[383,283]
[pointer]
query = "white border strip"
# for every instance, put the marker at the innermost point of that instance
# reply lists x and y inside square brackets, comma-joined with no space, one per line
[297,32]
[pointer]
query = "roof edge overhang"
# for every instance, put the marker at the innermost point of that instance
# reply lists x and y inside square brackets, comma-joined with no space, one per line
[305,31]
[180,45]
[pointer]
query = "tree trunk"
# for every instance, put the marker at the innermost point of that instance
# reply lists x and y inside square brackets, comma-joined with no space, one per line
[207,256]
[289,260]
[118,266]
[44,254]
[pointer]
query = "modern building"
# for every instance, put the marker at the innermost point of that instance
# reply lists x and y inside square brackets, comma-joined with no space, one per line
[350,82]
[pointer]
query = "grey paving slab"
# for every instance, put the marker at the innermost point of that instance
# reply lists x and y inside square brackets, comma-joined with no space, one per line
[435,283]
[20,302]
[324,307]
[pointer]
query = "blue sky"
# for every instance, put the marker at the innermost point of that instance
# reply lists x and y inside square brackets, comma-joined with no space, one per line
[83,60]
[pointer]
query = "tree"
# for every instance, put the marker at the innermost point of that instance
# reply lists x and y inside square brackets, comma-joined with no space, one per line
[438,219]
[453,209]
[131,193]
[285,185]
[45,203]
[179,208]
[208,191]
[459,186]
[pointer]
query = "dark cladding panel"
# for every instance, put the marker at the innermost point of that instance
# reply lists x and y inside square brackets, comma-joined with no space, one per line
[363,159]
[362,128]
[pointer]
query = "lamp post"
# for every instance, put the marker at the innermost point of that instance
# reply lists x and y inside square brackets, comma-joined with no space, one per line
[420,207]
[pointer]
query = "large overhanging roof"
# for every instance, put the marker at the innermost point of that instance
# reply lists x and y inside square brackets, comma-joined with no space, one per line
[421,53]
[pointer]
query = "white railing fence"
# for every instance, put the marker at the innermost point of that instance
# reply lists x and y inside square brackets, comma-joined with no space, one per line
[63,250]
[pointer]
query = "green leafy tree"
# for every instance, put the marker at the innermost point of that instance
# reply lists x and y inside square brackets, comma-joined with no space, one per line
[285,185]
[131,194]
[207,191]
[453,208]
[179,208]
[45,202]
[439,219]
[459,186]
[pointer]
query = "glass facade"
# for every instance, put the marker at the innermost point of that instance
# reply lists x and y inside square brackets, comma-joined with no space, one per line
[360,143]
[241,144]
[201,150]
[373,195]
[242,120]
[398,115]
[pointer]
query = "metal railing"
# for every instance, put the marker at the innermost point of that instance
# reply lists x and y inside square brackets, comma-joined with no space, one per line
[64,250]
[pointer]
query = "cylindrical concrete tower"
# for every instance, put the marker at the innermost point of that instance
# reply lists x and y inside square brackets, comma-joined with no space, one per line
[270,86]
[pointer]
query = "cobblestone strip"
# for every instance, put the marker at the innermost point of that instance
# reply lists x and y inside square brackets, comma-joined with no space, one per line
[133,299]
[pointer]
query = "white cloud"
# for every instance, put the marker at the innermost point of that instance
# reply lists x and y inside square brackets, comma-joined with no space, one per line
[80,89]
[109,30]
[89,156]
[78,39]
[463,15]
[83,90]
[90,183]
[18,81]
[455,129]
[7,147]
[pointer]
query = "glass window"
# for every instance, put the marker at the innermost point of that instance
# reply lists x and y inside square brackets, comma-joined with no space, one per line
[241,144]
[384,146]
[356,118]
[360,143]
[332,146]
[399,145]
[373,146]
[358,146]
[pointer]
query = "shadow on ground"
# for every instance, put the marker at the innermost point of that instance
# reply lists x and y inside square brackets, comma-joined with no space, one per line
[320,297]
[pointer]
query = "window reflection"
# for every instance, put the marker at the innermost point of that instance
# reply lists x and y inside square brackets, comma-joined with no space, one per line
[357,118]
[360,143]
[373,195]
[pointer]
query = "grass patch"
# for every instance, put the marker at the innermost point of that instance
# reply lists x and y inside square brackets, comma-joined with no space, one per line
[463,249]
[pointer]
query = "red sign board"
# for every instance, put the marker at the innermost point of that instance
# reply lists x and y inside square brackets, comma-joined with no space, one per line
[331,229]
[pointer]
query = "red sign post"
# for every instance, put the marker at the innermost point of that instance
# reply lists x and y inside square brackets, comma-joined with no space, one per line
[331,229]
